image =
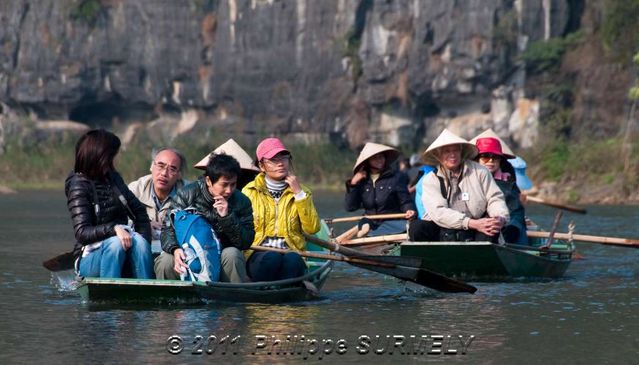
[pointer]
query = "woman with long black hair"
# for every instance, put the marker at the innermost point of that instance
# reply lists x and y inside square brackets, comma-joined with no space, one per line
[101,204]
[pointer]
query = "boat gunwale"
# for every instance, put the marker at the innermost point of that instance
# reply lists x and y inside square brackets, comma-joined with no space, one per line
[259,285]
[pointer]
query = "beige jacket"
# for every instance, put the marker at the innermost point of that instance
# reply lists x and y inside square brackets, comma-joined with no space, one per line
[142,188]
[483,196]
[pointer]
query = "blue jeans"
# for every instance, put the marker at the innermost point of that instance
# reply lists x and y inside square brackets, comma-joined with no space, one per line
[108,260]
[388,227]
[270,266]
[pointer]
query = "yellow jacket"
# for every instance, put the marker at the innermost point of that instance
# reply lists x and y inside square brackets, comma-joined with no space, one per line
[288,218]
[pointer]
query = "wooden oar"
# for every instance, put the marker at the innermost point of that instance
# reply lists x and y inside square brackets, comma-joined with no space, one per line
[361,260]
[613,241]
[61,262]
[570,208]
[389,238]
[373,216]
[553,230]
[417,275]
[346,235]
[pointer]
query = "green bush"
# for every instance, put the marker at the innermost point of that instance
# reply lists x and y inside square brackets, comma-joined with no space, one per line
[350,50]
[87,11]
[543,55]
[47,165]
[620,28]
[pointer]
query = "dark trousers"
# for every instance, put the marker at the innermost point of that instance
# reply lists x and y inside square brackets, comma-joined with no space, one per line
[270,266]
[421,230]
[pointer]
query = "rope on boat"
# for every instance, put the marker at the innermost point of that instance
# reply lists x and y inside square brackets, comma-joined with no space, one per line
[571,231]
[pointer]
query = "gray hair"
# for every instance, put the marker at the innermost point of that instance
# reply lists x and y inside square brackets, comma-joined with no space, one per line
[179,154]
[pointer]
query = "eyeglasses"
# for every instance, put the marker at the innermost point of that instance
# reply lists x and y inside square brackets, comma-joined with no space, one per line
[489,157]
[171,170]
[278,159]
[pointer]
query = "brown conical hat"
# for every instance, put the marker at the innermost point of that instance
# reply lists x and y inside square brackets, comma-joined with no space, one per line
[447,138]
[489,133]
[230,148]
[370,149]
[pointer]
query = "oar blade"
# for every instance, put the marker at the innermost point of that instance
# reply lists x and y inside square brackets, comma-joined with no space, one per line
[415,274]
[422,277]
[408,261]
[61,262]
[443,283]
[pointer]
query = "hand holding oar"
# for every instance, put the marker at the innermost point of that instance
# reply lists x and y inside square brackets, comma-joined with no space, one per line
[373,216]
[570,208]
[613,241]
[402,267]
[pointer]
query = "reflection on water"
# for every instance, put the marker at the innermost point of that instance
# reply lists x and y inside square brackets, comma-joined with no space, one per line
[590,316]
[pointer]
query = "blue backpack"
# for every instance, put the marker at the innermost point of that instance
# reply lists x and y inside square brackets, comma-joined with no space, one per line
[200,244]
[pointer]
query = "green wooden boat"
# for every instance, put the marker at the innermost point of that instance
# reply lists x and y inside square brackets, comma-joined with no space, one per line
[487,261]
[132,291]
[141,291]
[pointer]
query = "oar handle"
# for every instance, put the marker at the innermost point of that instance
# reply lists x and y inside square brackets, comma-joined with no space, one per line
[390,238]
[372,216]
[570,208]
[624,242]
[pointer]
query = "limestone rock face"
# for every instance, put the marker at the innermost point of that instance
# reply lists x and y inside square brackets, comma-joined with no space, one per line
[302,67]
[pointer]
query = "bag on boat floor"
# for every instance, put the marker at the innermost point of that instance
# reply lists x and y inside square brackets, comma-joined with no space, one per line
[200,244]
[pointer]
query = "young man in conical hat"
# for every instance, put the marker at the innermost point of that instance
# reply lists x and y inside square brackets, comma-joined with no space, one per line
[462,200]
[379,190]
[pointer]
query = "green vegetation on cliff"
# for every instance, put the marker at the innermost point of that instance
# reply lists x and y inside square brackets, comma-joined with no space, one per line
[45,166]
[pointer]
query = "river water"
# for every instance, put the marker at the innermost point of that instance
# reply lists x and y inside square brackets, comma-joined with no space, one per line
[590,316]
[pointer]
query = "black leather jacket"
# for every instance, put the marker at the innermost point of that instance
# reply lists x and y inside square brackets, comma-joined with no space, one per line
[236,229]
[92,225]
[389,195]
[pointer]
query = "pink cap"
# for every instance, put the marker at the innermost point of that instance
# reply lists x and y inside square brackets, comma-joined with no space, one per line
[269,148]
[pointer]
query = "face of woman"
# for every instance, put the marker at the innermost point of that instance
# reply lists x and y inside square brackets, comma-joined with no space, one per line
[490,161]
[450,156]
[377,162]
[276,168]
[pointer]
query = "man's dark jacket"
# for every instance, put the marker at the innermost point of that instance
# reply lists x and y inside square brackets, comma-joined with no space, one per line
[234,230]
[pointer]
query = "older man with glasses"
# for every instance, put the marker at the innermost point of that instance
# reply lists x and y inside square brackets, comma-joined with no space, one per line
[156,189]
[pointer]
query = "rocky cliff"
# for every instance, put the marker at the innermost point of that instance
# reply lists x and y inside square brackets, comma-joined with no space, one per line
[394,71]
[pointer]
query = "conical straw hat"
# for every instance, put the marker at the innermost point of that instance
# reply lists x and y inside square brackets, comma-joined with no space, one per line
[489,133]
[230,148]
[371,149]
[447,138]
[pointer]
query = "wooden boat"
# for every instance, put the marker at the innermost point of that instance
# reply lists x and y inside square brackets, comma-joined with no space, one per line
[489,261]
[123,290]
[134,291]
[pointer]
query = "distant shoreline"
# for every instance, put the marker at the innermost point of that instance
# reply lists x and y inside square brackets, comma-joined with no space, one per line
[5,190]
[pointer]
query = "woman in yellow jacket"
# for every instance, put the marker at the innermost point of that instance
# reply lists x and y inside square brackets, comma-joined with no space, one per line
[283,211]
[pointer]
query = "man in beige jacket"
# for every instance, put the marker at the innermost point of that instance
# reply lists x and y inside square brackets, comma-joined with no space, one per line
[156,189]
[461,198]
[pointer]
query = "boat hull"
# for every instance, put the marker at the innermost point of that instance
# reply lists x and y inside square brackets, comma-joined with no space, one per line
[134,291]
[488,261]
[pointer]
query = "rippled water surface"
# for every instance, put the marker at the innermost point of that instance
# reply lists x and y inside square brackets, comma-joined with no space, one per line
[590,316]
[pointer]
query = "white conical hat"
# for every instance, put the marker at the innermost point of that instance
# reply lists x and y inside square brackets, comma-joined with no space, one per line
[230,148]
[447,138]
[490,133]
[370,149]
